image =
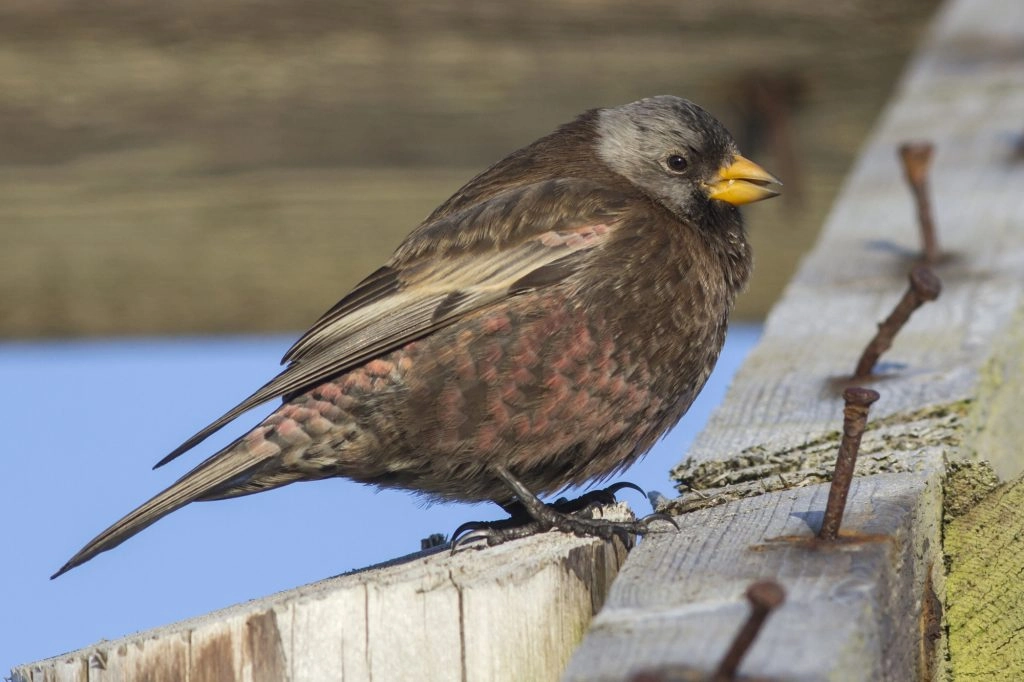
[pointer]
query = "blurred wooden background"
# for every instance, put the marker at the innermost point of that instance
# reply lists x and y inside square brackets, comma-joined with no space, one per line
[196,167]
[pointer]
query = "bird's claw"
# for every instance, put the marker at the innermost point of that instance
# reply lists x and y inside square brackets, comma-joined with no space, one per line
[592,498]
[660,516]
[470,537]
[494,532]
[614,488]
[470,528]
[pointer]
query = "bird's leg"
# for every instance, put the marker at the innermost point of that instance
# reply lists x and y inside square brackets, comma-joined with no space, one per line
[591,498]
[550,517]
[521,524]
[529,516]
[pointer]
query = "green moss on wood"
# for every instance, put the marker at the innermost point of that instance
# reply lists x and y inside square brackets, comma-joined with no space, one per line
[984,587]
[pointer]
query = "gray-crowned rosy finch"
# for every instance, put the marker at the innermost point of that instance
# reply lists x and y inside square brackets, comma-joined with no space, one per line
[541,329]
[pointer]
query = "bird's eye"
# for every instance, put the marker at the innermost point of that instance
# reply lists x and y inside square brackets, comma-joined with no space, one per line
[676,163]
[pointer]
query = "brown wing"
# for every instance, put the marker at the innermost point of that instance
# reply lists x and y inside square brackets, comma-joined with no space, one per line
[525,238]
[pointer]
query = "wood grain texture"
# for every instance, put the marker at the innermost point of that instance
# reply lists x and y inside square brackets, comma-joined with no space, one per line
[189,167]
[985,550]
[950,386]
[851,607]
[515,612]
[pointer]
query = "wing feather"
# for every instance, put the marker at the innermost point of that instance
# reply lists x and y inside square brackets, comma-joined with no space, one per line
[382,283]
[476,263]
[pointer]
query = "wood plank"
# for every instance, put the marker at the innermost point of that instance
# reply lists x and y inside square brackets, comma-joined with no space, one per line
[259,161]
[985,548]
[134,660]
[964,92]
[514,612]
[680,601]
[950,388]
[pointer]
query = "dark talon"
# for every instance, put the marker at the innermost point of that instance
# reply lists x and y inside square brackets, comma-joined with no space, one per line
[519,525]
[501,532]
[473,536]
[595,498]
[599,497]
[467,526]
[659,516]
[616,487]
[474,527]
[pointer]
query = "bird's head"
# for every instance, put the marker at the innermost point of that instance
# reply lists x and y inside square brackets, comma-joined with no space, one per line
[681,156]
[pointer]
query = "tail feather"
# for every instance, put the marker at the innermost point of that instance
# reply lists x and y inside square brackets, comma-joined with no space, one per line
[223,469]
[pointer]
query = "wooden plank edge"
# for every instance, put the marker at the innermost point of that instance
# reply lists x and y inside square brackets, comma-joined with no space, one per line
[854,611]
[516,611]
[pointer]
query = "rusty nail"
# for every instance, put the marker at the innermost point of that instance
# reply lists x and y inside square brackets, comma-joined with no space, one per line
[855,418]
[924,286]
[764,596]
[917,157]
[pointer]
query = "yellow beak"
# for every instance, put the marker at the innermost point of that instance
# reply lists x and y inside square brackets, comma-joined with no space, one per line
[742,182]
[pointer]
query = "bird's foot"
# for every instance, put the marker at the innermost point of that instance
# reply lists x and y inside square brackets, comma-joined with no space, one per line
[491,533]
[530,516]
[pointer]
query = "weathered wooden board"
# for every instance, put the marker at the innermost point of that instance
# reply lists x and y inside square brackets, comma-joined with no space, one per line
[515,612]
[985,549]
[951,386]
[855,604]
[204,167]
[965,92]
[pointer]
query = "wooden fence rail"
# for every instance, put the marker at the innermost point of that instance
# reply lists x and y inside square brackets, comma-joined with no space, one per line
[951,390]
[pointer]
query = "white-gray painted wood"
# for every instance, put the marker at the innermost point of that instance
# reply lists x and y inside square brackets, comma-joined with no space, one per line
[850,607]
[965,92]
[513,612]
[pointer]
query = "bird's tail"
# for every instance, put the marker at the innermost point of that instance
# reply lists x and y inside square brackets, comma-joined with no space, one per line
[215,478]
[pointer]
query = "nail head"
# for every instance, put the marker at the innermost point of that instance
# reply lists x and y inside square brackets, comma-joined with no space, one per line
[766,594]
[916,156]
[858,395]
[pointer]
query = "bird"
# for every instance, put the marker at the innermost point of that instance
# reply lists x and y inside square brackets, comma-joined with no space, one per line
[541,329]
